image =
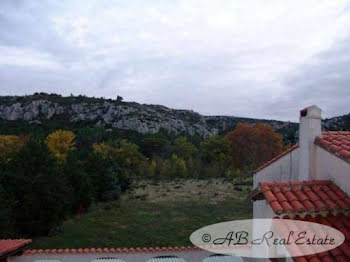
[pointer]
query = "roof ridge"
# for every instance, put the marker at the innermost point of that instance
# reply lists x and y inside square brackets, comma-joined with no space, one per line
[296,182]
[313,214]
[110,250]
[335,132]
[290,149]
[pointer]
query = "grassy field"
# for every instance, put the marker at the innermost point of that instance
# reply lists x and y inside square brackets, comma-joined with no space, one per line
[138,220]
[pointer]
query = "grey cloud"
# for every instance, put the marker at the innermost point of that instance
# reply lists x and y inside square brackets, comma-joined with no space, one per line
[325,82]
[179,56]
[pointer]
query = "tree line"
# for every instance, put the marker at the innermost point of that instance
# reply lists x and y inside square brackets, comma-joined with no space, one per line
[45,178]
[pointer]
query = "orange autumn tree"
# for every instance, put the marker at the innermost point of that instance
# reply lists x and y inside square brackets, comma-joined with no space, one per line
[253,145]
[60,143]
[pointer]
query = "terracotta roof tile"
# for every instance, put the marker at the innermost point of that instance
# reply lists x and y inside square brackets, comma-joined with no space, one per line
[10,245]
[340,222]
[109,250]
[318,201]
[304,196]
[336,142]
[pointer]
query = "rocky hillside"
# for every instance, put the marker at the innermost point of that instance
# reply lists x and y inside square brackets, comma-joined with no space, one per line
[41,108]
[338,123]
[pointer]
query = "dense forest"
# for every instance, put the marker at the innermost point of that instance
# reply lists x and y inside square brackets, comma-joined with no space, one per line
[47,175]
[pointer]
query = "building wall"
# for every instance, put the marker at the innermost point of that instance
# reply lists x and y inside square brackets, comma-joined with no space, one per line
[327,167]
[261,209]
[331,167]
[284,169]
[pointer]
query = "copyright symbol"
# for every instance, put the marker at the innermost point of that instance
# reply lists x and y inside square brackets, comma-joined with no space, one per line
[206,238]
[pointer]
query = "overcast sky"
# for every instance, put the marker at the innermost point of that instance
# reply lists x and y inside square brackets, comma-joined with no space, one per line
[263,59]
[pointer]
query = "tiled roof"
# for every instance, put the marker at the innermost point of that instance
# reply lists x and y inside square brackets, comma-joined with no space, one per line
[336,142]
[318,201]
[304,196]
[10,245]
[292,148]
[339,254]
[109,250]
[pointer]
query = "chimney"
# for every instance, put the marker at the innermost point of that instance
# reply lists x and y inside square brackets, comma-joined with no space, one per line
[309,129]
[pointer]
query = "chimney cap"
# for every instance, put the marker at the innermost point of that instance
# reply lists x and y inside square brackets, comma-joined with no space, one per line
[311,112]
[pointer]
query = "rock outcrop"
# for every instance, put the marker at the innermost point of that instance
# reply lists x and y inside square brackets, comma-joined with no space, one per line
[121,115]
[41,108]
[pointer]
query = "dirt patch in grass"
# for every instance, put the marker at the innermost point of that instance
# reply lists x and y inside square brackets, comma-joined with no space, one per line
[213,190]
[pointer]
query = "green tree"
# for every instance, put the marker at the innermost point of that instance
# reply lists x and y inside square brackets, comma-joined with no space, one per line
[155,144]
[347,122]
[80,182]
[215,149]
[174,167]
[183,149]
[104,177]
[39,189]
[6,219]
[215,156]
[86,137]
[124,158]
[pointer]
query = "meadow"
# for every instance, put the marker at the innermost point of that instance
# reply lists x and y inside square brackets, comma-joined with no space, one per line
[154,214]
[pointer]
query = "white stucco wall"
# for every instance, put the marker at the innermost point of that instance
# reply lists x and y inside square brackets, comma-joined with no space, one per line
[327,167]
[331,167]
[261,209]
[284,169]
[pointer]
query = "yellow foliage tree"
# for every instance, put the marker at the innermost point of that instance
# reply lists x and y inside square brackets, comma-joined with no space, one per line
[9,145]
[60,143]
[152,169]
[124,155]
[106,151]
